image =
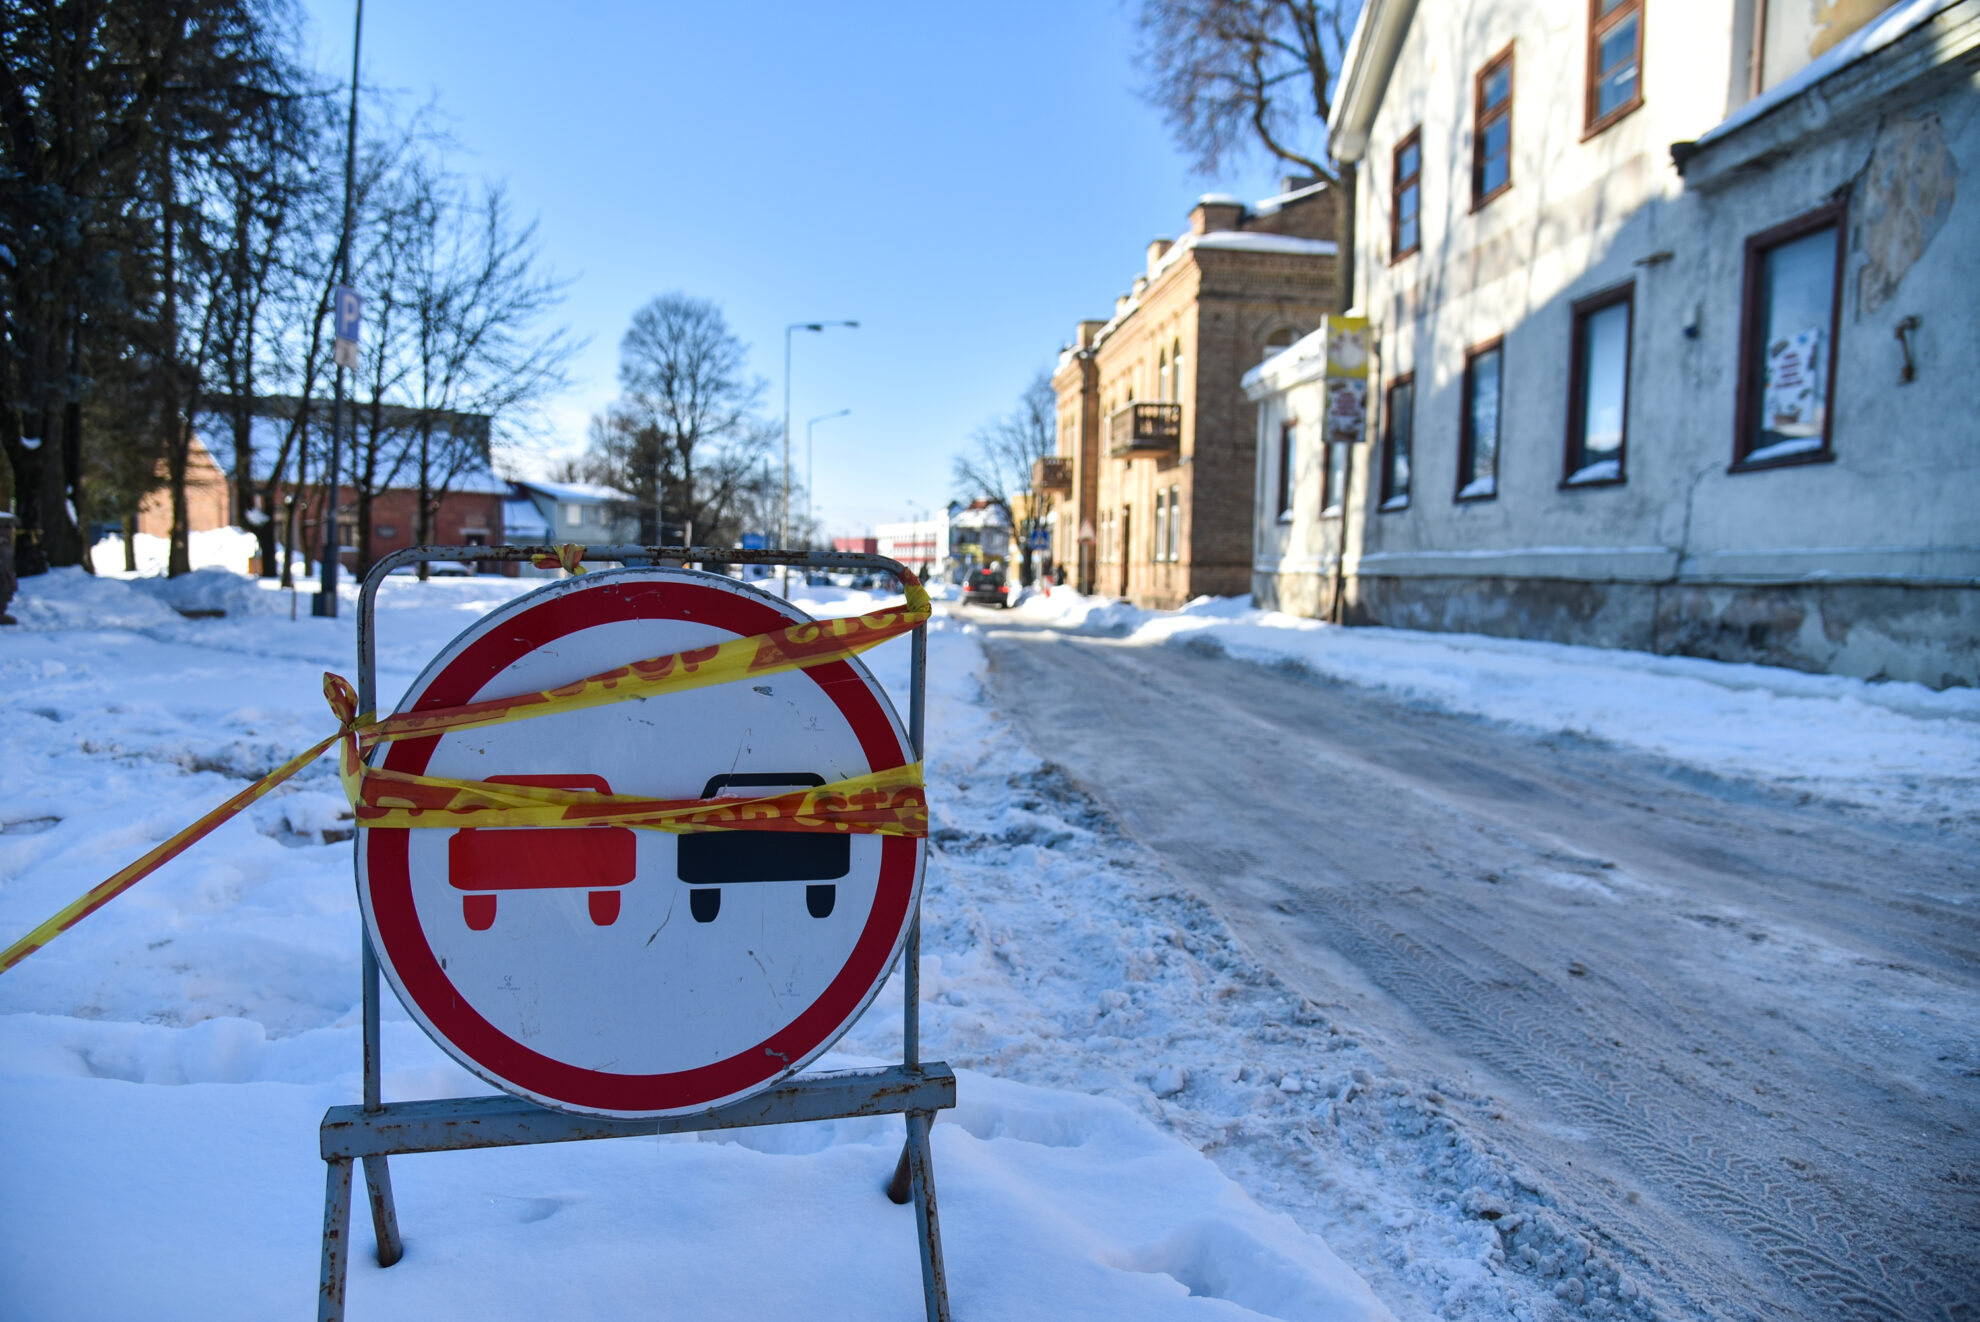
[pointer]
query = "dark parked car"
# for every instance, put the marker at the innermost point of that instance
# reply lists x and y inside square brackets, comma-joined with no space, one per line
[987,586]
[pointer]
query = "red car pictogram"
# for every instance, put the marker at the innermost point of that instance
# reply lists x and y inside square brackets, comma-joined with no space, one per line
[596,858]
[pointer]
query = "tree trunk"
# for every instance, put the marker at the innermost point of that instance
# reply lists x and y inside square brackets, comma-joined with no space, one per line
[130,543]
[72,438]
[178,431]
[423,506]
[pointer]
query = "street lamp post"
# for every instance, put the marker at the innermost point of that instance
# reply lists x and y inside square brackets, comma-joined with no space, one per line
[810,491]
[333,540]
[784,520]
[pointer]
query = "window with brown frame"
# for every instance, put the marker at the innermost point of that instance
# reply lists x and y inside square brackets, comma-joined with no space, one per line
[1478,425]
[1175,523]
[1398,429]
[1598,389]
[1288,455]
[1491,130]
[1406,197]
[1615,61]
[1790,310]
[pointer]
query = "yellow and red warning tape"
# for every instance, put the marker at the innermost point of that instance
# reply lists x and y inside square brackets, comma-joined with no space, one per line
[890,802]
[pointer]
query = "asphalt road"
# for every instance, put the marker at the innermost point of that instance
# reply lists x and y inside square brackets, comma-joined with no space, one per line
[1730,1033]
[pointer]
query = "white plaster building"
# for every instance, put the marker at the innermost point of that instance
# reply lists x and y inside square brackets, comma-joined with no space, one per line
[1675,314]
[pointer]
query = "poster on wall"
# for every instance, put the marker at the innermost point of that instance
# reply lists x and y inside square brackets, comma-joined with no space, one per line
[1792,402]
[1347,410]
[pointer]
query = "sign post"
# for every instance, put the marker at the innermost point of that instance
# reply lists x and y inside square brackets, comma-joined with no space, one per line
[615,982]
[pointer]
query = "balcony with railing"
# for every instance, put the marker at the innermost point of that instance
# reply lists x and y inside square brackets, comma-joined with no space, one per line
[1051,475]
[1144,429]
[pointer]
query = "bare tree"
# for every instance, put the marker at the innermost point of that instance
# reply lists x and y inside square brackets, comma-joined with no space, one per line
[1234,75]
[998,468]
[683,441]
[476,293]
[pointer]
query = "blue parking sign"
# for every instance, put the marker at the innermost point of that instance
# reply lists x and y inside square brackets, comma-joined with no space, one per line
[349,305]
[754,541]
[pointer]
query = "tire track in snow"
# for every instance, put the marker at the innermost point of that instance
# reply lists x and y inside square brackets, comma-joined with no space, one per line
[1801,1229]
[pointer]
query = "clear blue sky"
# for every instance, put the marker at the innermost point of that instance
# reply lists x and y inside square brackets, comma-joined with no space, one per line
[966,181]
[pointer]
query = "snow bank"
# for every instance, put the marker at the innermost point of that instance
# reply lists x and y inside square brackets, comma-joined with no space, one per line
[1892,747]
[215,548]
[171,1057]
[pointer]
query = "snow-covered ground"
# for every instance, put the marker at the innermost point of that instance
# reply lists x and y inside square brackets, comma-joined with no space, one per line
[164,1065]
[1895,749]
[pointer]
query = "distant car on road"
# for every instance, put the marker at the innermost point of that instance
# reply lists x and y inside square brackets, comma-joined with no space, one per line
[987,586]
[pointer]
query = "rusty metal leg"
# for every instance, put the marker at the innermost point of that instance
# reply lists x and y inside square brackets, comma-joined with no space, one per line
[901,1187]
[934,1282]
[336,1241]
[384,1217]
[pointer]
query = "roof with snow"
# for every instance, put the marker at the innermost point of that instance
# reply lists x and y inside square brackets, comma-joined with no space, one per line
[576,493]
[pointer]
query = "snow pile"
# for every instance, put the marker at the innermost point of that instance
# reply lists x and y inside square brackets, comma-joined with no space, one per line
[215,548]
[73,598]
[186,1040]
[1894,748]
[215,591]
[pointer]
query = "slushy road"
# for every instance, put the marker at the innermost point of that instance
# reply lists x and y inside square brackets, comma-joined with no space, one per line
[1730,1034]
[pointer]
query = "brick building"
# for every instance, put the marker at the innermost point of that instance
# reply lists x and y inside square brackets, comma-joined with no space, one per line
[1152,477]
[209,502]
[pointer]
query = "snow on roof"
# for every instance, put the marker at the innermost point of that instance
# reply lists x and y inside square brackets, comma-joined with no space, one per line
[577,493]
[1225,241]
[522,520]
[1246,241]
[1267,206]
[1872,37]
[1218,199]
[1299,361]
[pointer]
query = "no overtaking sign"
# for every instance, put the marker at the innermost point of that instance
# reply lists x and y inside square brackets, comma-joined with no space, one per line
[637,972]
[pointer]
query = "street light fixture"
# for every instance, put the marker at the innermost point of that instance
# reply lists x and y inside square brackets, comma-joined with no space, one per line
[784,520]
[810,491]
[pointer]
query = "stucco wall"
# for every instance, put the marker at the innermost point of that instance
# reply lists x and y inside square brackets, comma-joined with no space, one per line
[1876,546]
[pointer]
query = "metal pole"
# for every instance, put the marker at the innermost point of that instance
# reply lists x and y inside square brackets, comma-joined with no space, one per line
[784,520]
[326,596]
[810,492]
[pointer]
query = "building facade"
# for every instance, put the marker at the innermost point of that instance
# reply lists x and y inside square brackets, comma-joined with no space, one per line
[1701,399]
[1152,476]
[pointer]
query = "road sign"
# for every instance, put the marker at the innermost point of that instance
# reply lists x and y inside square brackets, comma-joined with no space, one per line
[754,541]
[1041,539]
[640,973]
[1086,531]
[349,306]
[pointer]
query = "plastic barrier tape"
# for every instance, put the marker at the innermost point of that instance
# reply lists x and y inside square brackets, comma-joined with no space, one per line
[889,802]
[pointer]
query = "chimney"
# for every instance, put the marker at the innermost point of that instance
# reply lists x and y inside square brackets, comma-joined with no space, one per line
[1083,337]
[1292,183]
[1215,212]
[1156,249]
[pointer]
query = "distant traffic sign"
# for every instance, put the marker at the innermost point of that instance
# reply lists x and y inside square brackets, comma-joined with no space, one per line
[349,306]
[754,541]
[637,972]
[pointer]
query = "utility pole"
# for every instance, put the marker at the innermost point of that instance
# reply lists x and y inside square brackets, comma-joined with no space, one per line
[325,604]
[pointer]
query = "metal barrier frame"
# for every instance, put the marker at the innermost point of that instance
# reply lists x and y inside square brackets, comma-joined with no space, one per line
[377,1129]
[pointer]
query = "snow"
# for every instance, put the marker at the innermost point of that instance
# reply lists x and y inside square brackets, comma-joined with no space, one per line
[579,492]
[1872,37]
[171,1057]
[1479,486]
[1246,241]
[1782,449]
[1602,470]
[1895,748]
[220,548]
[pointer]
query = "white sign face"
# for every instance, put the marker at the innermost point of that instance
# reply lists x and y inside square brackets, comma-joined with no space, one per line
[629,972]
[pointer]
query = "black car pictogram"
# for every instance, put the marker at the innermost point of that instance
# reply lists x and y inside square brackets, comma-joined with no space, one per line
[710,860]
